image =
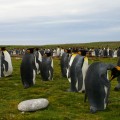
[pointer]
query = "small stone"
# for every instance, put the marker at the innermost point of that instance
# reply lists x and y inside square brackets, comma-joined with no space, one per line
[33,104]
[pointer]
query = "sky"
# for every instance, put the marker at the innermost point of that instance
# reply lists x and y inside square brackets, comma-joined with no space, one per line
[43,22]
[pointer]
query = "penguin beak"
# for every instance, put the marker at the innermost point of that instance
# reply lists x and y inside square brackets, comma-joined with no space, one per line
[28,51]
[118,68]
[115,73]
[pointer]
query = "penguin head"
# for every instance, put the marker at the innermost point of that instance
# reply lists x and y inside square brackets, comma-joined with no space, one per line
[36,49]
[30,50]
[3,48]
[68,51]
[48,54]
[75,50]
[115,72]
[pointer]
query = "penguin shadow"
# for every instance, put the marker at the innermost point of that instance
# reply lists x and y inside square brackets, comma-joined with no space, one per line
[87,110]
[75,91]
[9,76]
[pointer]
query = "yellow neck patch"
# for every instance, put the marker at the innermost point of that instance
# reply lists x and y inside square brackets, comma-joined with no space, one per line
[85,58]
[74,54]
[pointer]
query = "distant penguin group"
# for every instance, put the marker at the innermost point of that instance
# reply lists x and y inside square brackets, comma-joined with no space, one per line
[92,79]
[76,71]
[34,63]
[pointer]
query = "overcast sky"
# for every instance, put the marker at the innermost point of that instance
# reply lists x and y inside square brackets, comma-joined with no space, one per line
[41,22]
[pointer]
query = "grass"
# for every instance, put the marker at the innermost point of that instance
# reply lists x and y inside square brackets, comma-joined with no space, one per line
[63,105]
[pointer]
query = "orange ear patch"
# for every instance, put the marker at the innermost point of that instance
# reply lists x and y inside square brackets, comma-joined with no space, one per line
[28,51]
[118,68]
[79,53]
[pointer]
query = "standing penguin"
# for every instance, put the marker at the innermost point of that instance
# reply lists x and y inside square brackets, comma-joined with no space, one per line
[0,62]
[64,62]
[97,85]
[117,87]
[47,67]
[38,60]
[6,63]
[58,51]
[28,68]
[78,66]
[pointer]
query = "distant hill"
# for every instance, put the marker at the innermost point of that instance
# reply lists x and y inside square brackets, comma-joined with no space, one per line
[114,44]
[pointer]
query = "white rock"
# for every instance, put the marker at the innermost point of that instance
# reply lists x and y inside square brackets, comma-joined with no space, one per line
[33,104]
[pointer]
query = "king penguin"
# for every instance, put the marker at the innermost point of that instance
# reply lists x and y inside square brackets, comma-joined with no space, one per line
[117,87]
[97,85]
[64,62]
[47,67]
[6,63]
[28,68]
[0,62]
[78,66]
[38,60]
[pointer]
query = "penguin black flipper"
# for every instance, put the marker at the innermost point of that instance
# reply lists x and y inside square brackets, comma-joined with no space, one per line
[72,74]
[64,64]
[5,63]
[104,80]
[2,69]
[50,74]
[34,66]
[80,77]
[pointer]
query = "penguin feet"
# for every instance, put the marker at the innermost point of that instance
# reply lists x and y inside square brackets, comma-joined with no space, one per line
[93,109]
[27,86]
[69,90]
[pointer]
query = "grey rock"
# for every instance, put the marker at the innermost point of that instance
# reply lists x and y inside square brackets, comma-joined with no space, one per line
[33,104]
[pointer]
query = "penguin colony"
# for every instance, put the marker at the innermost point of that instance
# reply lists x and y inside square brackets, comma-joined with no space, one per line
[91,79]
